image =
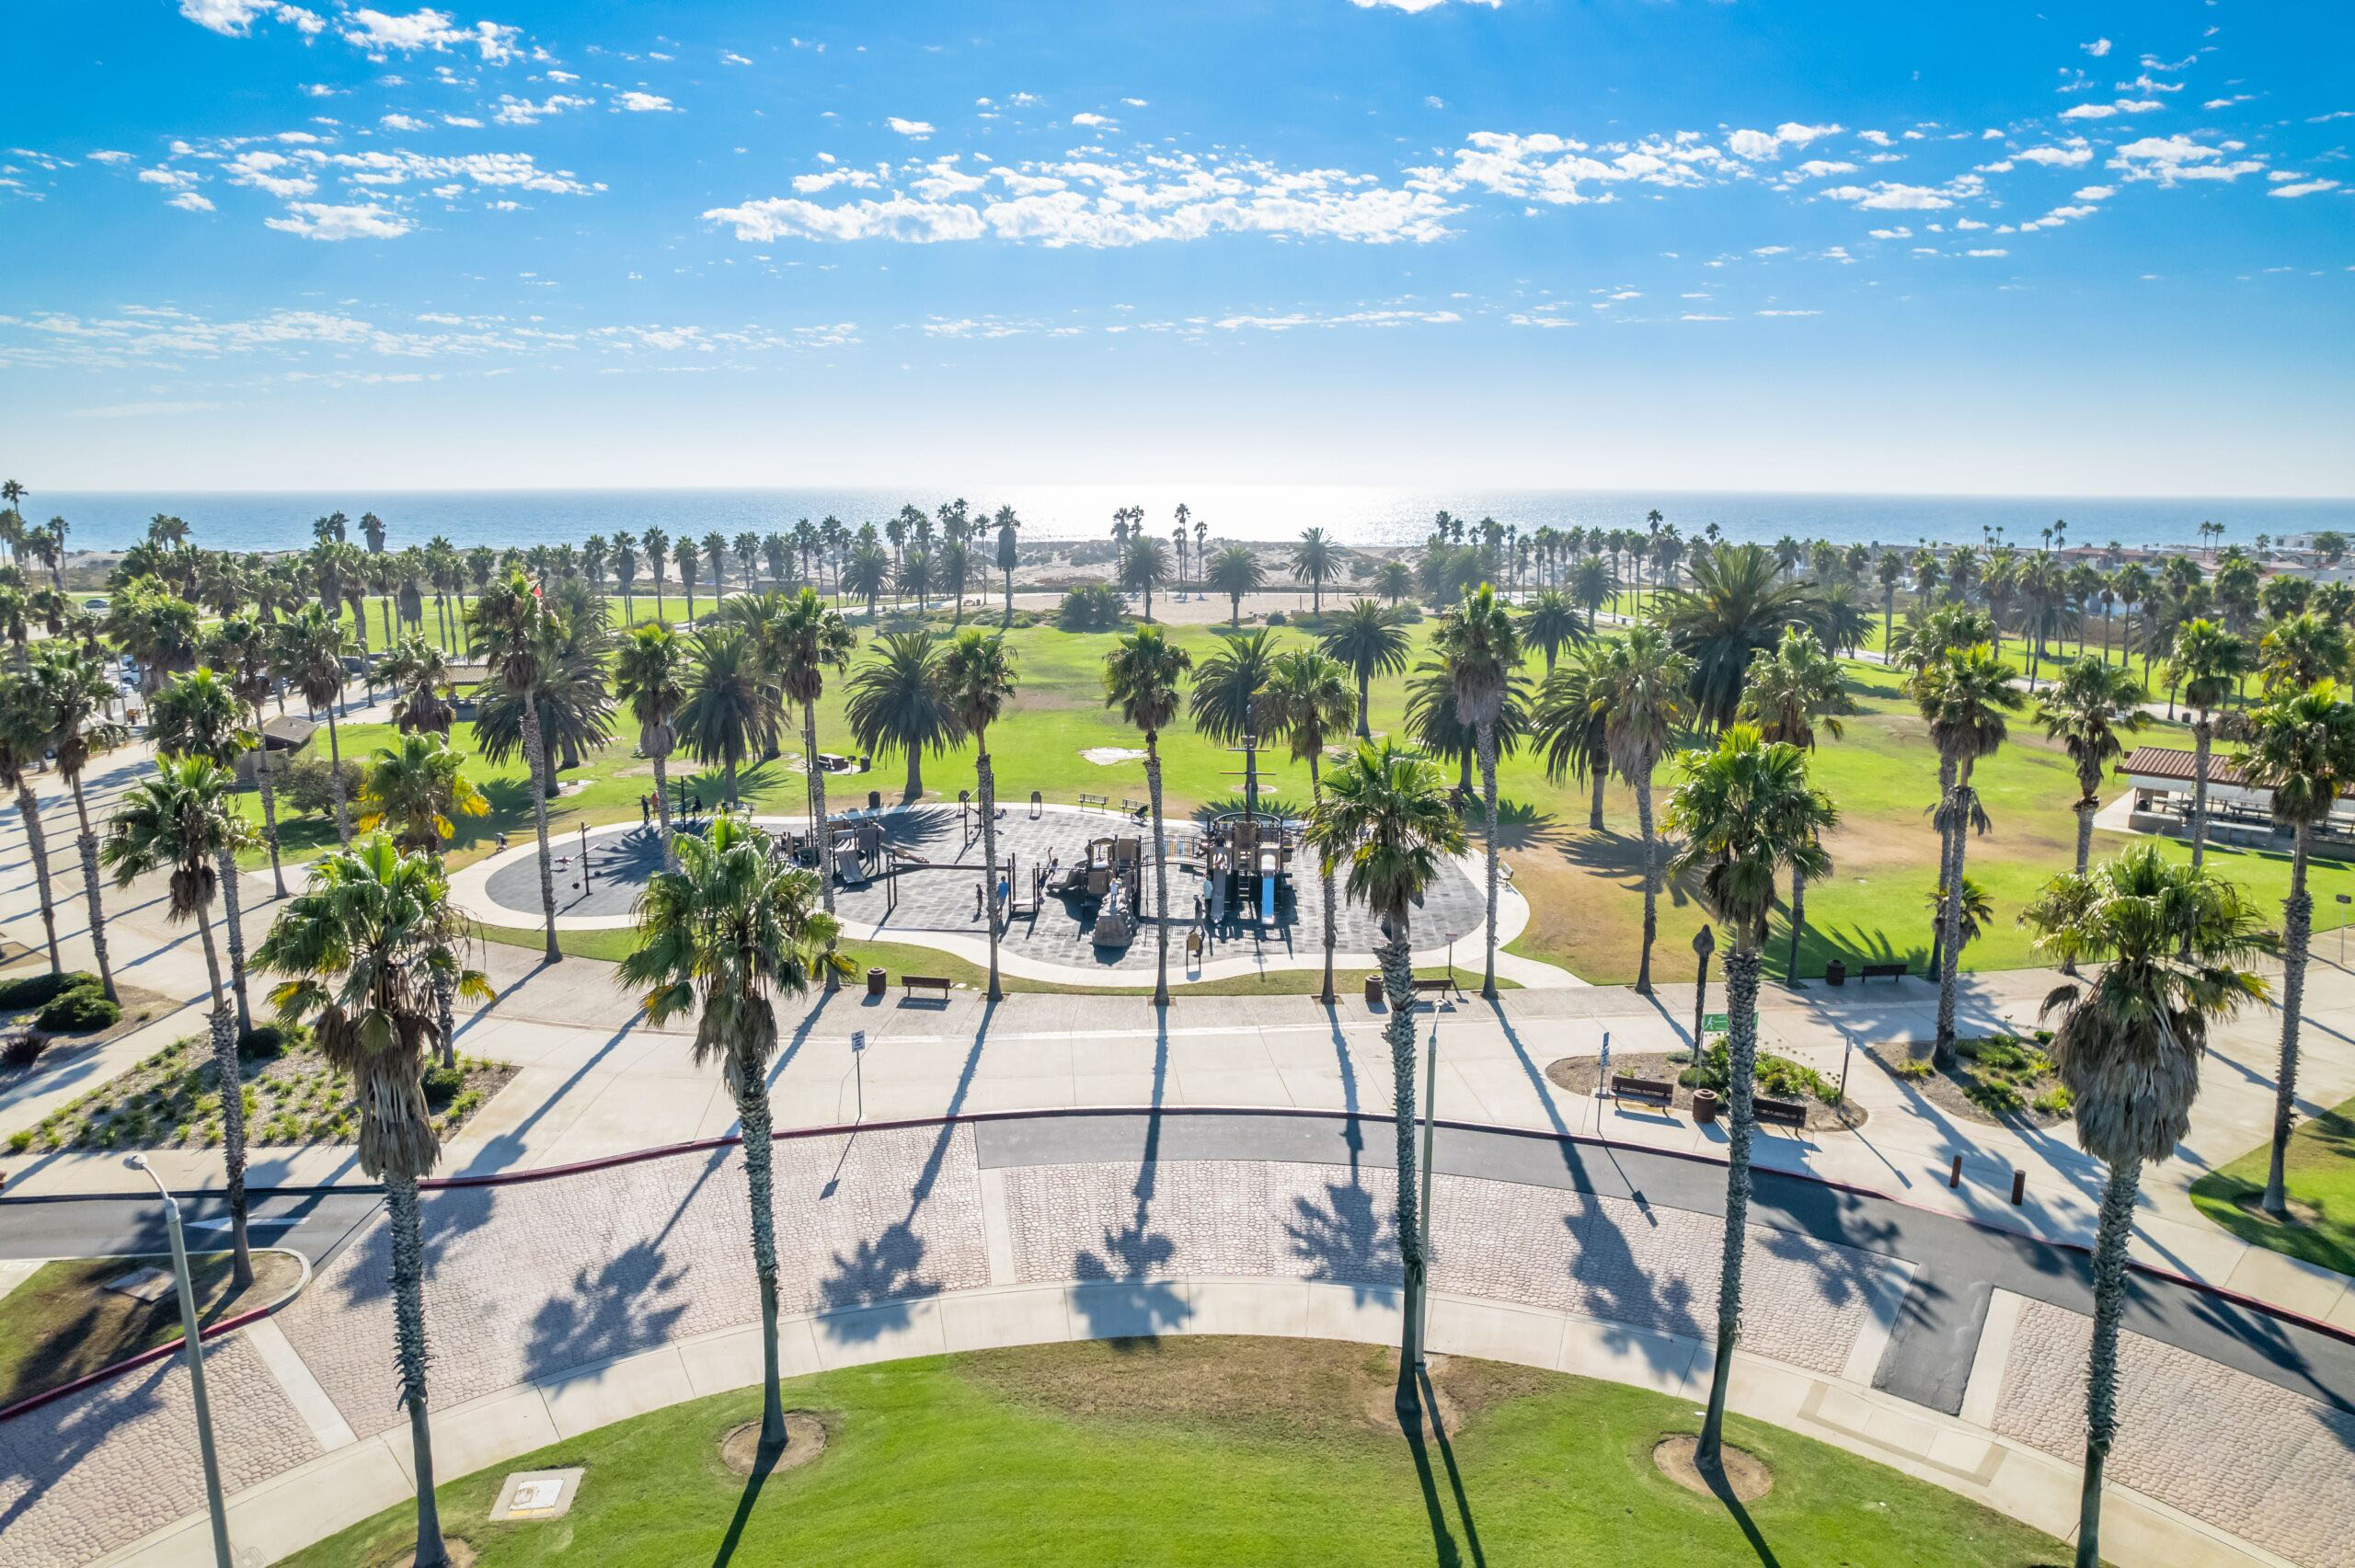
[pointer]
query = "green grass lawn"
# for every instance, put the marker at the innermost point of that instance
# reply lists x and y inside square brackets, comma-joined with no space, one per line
[1583,885]
[62,1323]
[2320,1174]
[1200,1452]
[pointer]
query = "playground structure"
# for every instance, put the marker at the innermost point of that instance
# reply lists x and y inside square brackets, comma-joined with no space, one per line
[1247,865]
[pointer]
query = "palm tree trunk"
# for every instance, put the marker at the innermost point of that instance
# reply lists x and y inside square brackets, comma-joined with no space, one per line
[1594,806]
[30,811]
[2204,734]
[335,781]
[233,917]
[231,1084]
[819,837]
[1160,871]
[1798,925]
[535,758]
[1486,738]
[1651,879]
[1950,938]
[662,809]
[1395,955]
[752,1115]
[2297,929]
[1325,877]
[408,1340]
[269,806]
[1364,681]
[1742,965]
[86,842]
[445,1019]
[2086,807]
[1941,1051]
[987,778]
[2101,1365]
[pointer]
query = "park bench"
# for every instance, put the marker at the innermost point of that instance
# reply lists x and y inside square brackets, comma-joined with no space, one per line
[1092,802]
[1784,1113]
[1877,971]
[1136,808]
[1627,1086]
[911,984]
[1440,985]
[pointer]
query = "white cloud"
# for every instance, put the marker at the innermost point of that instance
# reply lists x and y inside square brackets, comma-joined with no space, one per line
[402,122]
[320,90]
[1770,250]
[2304,187]
[2094,193]
[2228,102]
[513,110]
[2105,110]
[643,103]
[427,29]
[2073,153]
[463,122]
[1890,196]
[138,410]
[175,179]
[321,220]
[235,19]
[1752,145]
[276,173]
[190,201]
[1349,319]
[1900,233]
[2099,48]
[1090,120]
[729,57]
[109,156]
[1987,252]
[2168,159]
[1413,5]
[917,129]
[1878,138]
[1788,313]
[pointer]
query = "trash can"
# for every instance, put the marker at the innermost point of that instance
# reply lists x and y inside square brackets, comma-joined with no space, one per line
[1373,990]
[875,982]
[1704,1106]
[1836,973]
[875,800]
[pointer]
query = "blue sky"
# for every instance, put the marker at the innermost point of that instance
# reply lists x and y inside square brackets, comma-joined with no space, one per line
[1588,243]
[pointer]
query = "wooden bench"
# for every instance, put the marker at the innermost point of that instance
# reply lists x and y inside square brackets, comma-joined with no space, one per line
[1136,808]
[911,984]
[1627,1086]
[1092,802]
[1784,1113]
[1442,985]
[1877,971]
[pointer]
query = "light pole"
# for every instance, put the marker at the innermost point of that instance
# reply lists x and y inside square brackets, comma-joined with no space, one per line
[1704,941]
[1430,1114]
[193,1346]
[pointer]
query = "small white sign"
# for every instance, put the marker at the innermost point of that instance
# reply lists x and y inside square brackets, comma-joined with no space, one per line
[858,1040]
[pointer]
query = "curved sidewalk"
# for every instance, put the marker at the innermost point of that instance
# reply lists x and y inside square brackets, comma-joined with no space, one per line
[559,1303]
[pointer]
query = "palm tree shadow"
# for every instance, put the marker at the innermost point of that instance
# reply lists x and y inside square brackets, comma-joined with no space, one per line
[1521,826]
[1722,1490]
[1127,1300]
[763,1464]
[1445,1550]
[1455,1476]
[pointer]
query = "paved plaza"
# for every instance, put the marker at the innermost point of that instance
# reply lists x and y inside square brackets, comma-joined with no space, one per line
[942,895]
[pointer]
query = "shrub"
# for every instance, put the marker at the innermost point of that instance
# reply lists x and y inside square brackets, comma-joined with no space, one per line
[1777,1076]
[39,990]
[2056,1101]
[23,1051]
[441,1082]
[21,1141]
[1921,1068]
[305,786]
[82,1011]
[265,1042]
[1994,1097]
[1278,618]
[1093,608]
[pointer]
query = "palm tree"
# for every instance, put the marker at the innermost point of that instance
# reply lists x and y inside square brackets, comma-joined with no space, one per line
[894,703]
[1312,563]
[977,679]
[198,716]
[2303,648]
[1309,703]
[368,950]
[413,788]
[1637,687]
[1739,606]
[1229,699]
[1592,583]
[513,626]
[867,574]
[2208,660]
[650,675]
[1480,642]
[809,637]
[1009,555]
[1575,723]
[729,713]
[76,682]
[1235,571]
[242,651]
[30,716]
[1141,677]
[1144,564]
[418,673]
[1790,693]
[2166,945]
[1890,568]
[1369,639]
[1385,815]
[180,822]
[1394,580]
[312,647]
[1964,696]
[1550,625]
[2301,747]
[2088,709]
[1745,810]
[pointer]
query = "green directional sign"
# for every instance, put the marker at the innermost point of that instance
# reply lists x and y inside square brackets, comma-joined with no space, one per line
[1715,1024]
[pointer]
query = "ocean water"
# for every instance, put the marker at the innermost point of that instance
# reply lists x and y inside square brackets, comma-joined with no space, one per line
[1365,515]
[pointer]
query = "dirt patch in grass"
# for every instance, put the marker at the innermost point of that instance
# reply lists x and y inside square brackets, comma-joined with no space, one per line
[62,1323]
[1745,1473]
[1579,1075]
[293,1099]
[1997,1081]
[805,1439]
[461,1555]
[1273,1387]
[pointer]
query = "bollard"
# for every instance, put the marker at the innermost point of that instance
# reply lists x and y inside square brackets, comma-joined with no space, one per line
[2020,1188]
[1954,1175]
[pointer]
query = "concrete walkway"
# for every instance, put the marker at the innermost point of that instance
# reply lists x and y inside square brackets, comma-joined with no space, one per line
[926,1239]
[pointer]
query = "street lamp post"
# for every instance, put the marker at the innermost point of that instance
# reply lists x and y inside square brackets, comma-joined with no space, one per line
[193,1346]
[1430,1114]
